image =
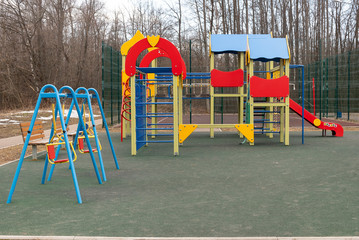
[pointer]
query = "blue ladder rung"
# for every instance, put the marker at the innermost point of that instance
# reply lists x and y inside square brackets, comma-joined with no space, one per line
[160,124]
[162,83]
[159,134]
[263,132]
[149,129]
[260,120]
[156,141]
[163,113]
[152,116]
[153,103]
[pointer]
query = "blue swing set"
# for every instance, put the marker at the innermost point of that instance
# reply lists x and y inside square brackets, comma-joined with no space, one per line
[61,139]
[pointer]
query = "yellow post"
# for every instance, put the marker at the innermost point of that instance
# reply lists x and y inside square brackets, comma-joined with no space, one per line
[212,96]
[251,73]
[281,134]
[175,115]
[180,99]
[269,115]
[271,109]
[287,108]
[123,82]
[133,117]
[241,92]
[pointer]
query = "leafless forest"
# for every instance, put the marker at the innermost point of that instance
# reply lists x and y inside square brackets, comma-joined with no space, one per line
[59,41]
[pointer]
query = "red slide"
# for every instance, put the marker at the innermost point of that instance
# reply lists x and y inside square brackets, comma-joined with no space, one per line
[337,130]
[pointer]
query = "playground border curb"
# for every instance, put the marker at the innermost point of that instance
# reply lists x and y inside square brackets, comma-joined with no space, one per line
[10,237]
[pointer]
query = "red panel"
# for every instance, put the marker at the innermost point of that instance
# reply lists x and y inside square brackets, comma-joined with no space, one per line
[184,69]
[51,151]
[227,79]
[81,143]
[149,57]
[163,44]
[61,161]
[278,87]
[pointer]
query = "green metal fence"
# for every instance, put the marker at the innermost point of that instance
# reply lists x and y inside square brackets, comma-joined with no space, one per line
[111,84]
[336,82]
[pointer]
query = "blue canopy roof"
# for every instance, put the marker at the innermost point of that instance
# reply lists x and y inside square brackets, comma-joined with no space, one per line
[232,43]
[272,49]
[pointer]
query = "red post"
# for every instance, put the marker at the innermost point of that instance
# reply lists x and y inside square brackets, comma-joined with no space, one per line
[314,96]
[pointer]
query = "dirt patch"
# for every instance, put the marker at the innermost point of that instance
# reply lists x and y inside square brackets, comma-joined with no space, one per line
[13,153]
[11,127]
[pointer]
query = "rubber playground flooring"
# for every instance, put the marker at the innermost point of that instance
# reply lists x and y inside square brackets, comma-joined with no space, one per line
[215,188]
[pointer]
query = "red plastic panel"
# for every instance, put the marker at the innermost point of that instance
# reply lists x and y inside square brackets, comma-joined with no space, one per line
[184,69]
[51,151]
[227,79]
[81,143]
[149,57]
[61,161]
[163,44]
[278,87]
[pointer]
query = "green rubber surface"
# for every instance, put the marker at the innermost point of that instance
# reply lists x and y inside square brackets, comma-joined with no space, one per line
[215,188]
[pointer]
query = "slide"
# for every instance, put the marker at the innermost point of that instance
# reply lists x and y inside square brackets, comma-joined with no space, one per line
[337,130]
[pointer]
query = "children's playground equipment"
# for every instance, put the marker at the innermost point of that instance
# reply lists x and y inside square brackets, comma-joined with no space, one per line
[264,103]
[58,140]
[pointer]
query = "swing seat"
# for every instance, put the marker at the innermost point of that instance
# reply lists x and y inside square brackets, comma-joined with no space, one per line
[51,154]
[81,147]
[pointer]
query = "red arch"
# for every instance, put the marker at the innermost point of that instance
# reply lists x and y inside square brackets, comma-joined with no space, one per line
[167,46]
[157,53]
[149,57]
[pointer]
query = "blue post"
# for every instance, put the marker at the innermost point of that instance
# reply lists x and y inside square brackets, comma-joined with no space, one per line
[96,96]
[82,125]
[95,132]
[302,104]
[46,159]
[18,169]
[54,94]
[69,153]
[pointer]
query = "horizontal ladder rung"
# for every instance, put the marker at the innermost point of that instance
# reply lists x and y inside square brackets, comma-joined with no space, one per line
[160,124]
[159,134]
[152,116]
[263,132]
[156,141]
[154,103]
[149,129]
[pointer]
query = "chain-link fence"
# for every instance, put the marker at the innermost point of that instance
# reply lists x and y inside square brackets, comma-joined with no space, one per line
[111,84]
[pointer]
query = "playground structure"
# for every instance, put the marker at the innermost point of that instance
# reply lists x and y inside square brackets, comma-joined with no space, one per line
[272,92]
[58,140]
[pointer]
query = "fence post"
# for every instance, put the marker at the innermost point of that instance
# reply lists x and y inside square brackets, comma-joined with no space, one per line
[336,85]
[320,91]
[119,97]
[349,85]
[103,76]
[190,82]
[308,87]
[111,89]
